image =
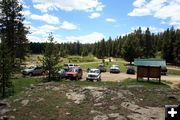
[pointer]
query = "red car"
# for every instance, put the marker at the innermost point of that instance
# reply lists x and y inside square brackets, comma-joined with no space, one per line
[74,73]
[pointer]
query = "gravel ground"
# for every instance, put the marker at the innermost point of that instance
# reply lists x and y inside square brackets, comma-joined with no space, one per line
[122,76]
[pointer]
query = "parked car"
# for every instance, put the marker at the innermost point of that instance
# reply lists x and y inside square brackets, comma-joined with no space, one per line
[163,70]
[101,67]
[74,73]
[59,74]
[114,69]
[33,71]
[130,70]
[68,66]
[94,74]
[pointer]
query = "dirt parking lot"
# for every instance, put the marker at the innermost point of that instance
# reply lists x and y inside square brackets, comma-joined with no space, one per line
[122,76]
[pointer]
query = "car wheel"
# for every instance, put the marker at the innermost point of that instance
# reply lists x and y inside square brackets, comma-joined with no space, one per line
[30,74]
[43,73]
[77,78]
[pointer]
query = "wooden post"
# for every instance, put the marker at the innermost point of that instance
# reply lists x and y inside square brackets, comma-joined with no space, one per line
[159,74]
[148,72]
[137,73]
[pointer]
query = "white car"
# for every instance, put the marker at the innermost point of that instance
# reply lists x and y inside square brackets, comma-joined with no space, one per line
[94,74]
[68,66]
[114,69]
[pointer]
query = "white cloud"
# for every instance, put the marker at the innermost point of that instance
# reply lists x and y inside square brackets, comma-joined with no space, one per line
[168,10]
[68,5]
[23,4]
[26,13]
[43,30]
[46,18]
[139,3]
[40,33]
[44,7]
[94,15]
[171,11]
[151,28]
[90,38]
[33,38]
[110,20]
[100,8]
[139,12]
[68,26]
[175,23]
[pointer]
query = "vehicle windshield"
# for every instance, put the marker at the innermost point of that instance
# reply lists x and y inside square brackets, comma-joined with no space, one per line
[115,65]
[94,71]
[73,70]
[101,65]
[31,67]
[71,65]
[130,67]
[65,65]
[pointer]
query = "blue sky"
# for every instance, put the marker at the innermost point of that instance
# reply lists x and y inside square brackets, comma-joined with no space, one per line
[91,20]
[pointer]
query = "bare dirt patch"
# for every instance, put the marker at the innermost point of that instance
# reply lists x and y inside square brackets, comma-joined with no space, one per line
[175,79]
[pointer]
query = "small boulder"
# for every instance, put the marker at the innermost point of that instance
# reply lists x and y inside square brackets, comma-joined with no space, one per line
[113,115]
[101,117]
[95,112]
[56,89]
[113,107]
[24,102]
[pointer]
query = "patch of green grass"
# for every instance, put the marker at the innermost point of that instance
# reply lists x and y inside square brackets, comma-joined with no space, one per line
[23,82]
[144,83]
[34,57]
[158,55]
[173,72]
[79,59]
[89,65]
[89,83]
[166,82]
[121,64]
[128,83]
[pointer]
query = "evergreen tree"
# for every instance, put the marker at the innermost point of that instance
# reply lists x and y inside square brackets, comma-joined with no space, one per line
[148,47]
[51,56]
[102,49]
[6,67]
[166,46]
[13,38]
[13,28]
[130,48]
[176,51]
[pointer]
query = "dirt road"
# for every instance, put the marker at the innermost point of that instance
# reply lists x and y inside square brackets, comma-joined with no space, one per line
[122,76]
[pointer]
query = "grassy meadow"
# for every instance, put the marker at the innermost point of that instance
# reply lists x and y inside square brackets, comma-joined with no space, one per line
[90,62]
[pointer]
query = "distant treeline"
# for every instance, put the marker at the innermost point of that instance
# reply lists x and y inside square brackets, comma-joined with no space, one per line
[142,44]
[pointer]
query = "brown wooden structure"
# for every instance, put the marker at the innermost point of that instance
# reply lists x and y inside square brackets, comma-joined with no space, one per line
[149,72]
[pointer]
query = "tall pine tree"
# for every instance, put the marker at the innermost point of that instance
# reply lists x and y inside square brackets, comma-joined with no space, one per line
[13,37]
[51,56]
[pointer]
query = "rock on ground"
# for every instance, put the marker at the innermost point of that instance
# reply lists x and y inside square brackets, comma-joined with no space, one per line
[24,102]
[77,98]
[101,117]
[141,113]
